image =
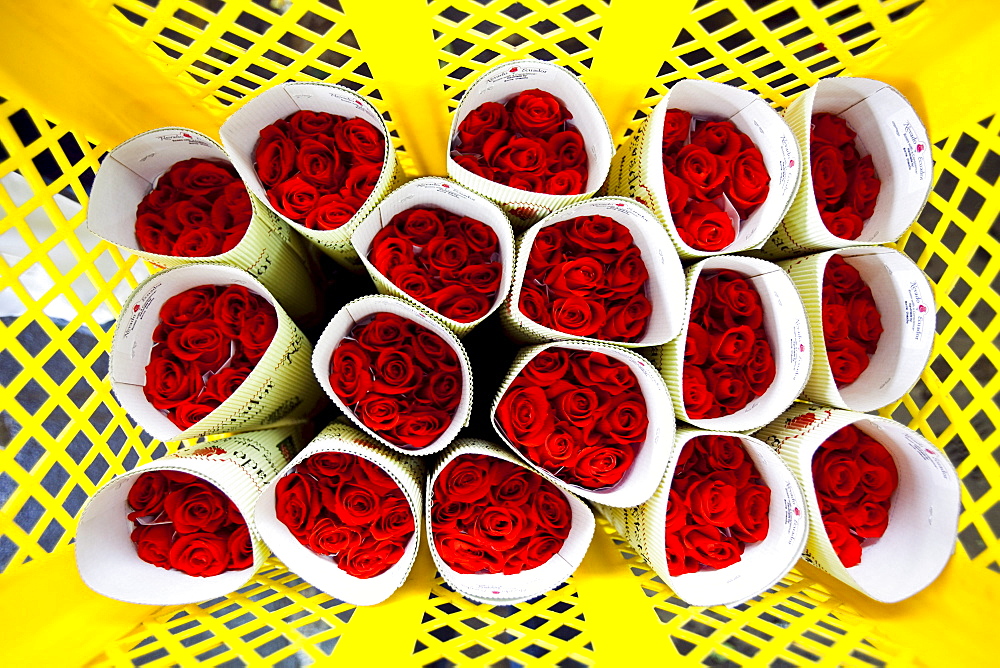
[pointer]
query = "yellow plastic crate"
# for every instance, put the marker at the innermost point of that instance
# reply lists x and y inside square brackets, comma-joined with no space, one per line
[77,77]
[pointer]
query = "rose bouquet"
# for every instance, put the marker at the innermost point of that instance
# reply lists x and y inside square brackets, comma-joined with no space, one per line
[500,533]
[319,155]
[205,349]
[716,164]
[883,501]
[528,135]
[867,167]
[442,247]
[726,522]
[744,353]
[172,197]
[588,416]
[181,529]
[396,372]
[600,270]
[871,316]
[345,515]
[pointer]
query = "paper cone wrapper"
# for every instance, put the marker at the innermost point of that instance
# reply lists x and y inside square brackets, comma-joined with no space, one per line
[433,191]
[241,131]
[653,454]
[240,466]
[280,390]
[787,331]
[637,168]
[891,132]
[500,84]
[361,308]
[905,300]
[498,588]
[761,565]
[923,519]
[321,571]
[662,263]
[268,251]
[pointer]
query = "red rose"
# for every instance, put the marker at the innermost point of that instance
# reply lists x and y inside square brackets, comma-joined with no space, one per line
[581,276]
[547,247]
[188,306]
[567,150]
[329,536]
[599,467]
[259,329]
[737,300]
[828,175]
[729,387]
[151,234]
[305,123]
[482,278]
[844,223]
[628,321]
[368,561]
[864,188]
[384,330]
[197,242]
[625,421]
[712,500]
[361,139]
[868,519]
[170,383]
[350,374]
[521,487]
[847,361]
[564,182]
[202,344]
[361,181]
[523,414]
[537,113]
[836,474]
[547,366]
[534,304]
[760,369]
[189,414]
[201,554]
[457,303]
[378,412]
[466,555]
[577,316]
[485,119]
[610,374]
[697,345]
[274,157]
[500,527]
[475,164]
[519,155]
[750,181]
[420,428]
[842,276]
[152,543]
[678,560]
[205,177]
[846,545]
[158,200]
[721,138]
[705,226]
[831,129]
[707,545]
[395,524]
[466,479]
[598,233]
[222,384]
[752,504]
[865,321]
[678,192]
[240,548]
[578,406]
[703,171]
[294,198]
[433,352]
[330,212]
[733,346]
[297,502]
[147,493]
[419,226]
[676,126]
[836,323]
[552,511]
[197,506]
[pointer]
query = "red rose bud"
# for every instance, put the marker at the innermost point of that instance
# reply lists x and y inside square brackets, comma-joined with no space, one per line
[676,127]
[854,478]
[400,379]
[489,515]
[705,226]
[718,504]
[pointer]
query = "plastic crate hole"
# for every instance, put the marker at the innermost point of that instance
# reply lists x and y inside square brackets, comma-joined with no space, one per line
[505,638]
[683,647]
[515,11]
[989,169]
[55,479]
[945,185]
[578,13]
[221,648]
[475,651]
[971,204]
[8,548]
[445,633]
[964,148]
[972,541]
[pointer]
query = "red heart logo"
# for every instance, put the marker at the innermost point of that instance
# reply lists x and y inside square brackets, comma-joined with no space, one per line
[797,512]
[513,69]
[802,348]
[922,308]
[920,148]
[791,163]
[619,204]
[186,135]
[135,309]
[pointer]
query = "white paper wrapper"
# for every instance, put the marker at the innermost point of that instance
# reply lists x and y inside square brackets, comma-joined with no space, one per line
[241,131]
[363,307]
[503,82]
[662,263]
[268,251]
[497,588]
[905,301]
[240,466]
[637,168]
[891,132]
[761,565]
[787,331]
[321,571]
[280,390]
[432,191]
[652,456]
[923,519]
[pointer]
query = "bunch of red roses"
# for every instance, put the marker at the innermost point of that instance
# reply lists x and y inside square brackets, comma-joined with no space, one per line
[705,168]
[491,516]
[447,262]
[585,276]
[578,414]
[318,169]
[855,477]
[727,358]
[343,506]
[185,523]
[197,209]
[845,185]
[852,324]
[208,341]
[527,143]
[399,378]
[718,504]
